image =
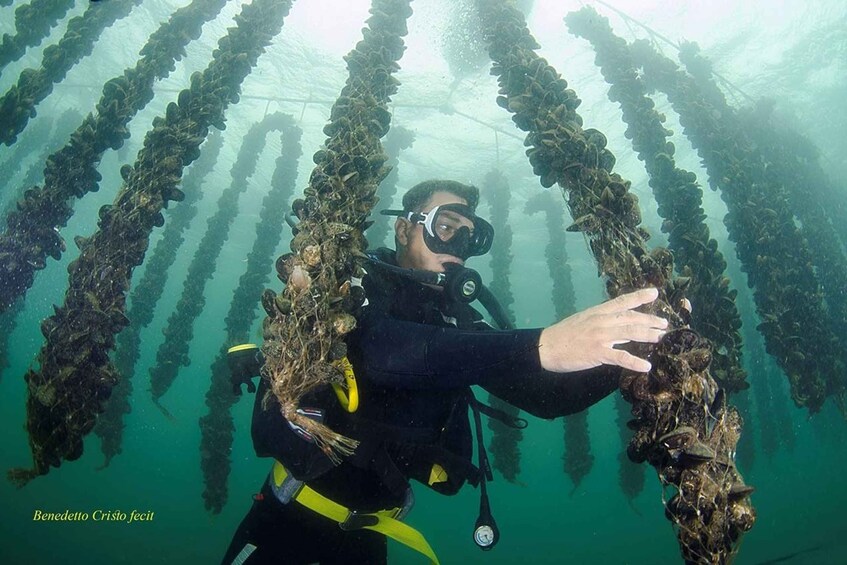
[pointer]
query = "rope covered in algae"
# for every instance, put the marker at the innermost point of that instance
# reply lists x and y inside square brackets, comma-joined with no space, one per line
[577,459]
[696,254]
[683,425]
[34,85]
[31,235]
[306,324]
[504,441]
[216,426]
[770,247]
[33,23]
[146,294]
[75,377]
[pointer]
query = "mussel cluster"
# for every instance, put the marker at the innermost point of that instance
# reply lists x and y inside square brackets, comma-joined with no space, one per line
[33,23]
[679,197]
[71,172]
[75,376]
[769,245]
[179,329]
[145,295]
[306,324]
[577,459]
[504,448]
[709,501]
[398,139]
[34,85]
[217,427]
[562,152]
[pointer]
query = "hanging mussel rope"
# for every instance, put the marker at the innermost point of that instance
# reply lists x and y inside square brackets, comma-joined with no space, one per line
[33,23]
[696,254]
[797,154]
[503,447]
[16,156]
[75,376]
[9,318]
[31,234]
[631,477]
[771,250]
[782,167]
[4,3]
[179,330]
[216,427]
[577,458]
[683,425]
[397,139]
[8,323]
[306,324]
[700,70]
[34,85]
[34,175]
[145,295]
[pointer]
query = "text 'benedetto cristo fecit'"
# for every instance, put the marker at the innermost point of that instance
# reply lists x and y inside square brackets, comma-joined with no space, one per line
[95,516]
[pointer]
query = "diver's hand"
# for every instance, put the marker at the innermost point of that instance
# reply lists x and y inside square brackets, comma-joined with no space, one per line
[585,340]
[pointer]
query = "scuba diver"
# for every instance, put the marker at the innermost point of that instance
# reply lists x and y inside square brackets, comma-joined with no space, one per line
[417,349]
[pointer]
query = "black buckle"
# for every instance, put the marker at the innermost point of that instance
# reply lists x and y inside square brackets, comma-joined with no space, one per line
[357,521]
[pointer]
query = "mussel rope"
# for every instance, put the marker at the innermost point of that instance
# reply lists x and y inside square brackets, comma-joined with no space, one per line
[33,23]
[75,376]
[31,234]
[672,399]
[216,427]
[503,445]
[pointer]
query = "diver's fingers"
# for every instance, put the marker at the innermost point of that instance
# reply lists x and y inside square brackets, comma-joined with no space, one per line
[627,301]
[640,334]
[627,360]
[633,318]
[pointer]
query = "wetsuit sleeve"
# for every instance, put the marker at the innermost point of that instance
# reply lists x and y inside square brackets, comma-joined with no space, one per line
[546,394]
[400,354]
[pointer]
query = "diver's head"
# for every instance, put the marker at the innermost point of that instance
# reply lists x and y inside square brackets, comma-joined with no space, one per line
[438,226]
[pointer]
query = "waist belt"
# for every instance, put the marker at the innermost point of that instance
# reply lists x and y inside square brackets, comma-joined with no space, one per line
[382,521]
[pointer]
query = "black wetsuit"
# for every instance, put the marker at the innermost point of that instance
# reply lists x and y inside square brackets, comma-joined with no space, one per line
[415,358]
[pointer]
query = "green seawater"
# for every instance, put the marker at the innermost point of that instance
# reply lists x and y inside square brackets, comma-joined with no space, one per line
[792,52]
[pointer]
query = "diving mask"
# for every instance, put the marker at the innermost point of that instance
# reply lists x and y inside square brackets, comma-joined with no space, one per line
[451,229]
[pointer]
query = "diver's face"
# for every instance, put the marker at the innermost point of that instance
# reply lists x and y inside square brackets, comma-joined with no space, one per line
[414,253]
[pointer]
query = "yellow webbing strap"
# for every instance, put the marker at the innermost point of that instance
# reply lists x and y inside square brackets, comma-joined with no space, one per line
[387,525]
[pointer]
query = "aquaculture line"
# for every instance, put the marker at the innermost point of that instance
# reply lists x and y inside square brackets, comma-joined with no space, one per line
[577,459]
[306,324]
[696,254]
[75,377]
[504,442]
[31,235]
[216,427]
[773,253]
[18,105]
[146,294]
[683,425]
